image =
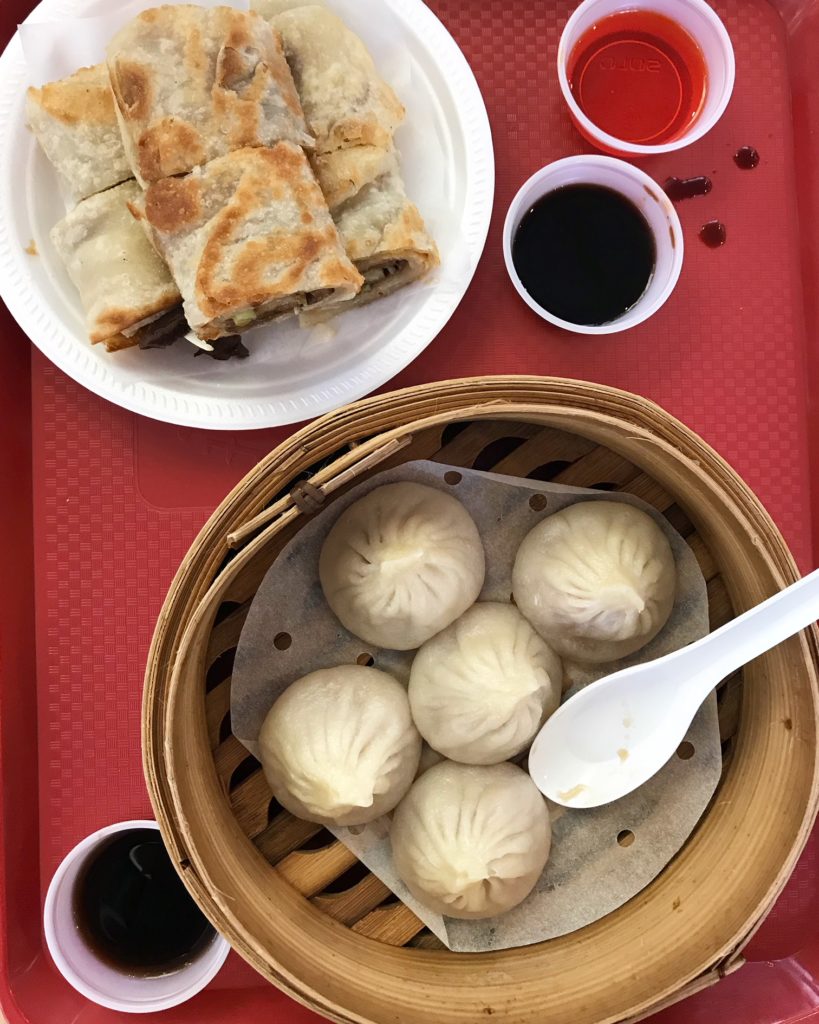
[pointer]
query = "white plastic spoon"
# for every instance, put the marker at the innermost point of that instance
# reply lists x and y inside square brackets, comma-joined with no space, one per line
[613,735]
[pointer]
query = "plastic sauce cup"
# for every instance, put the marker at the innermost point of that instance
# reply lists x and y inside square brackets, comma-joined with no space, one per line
[95,979]
[643,192]
[702,25]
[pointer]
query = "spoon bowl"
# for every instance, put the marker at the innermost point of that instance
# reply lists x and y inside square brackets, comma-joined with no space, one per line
[617,733]
[609,738]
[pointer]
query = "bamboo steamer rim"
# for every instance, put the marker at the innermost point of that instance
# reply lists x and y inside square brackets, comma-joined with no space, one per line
[190,608]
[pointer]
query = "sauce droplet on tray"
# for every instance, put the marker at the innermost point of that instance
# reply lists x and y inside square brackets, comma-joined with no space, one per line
[746,158]
[713,234]
[678,189]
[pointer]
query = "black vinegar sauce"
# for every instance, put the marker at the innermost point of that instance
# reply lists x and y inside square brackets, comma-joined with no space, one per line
[133,911]
[584,253]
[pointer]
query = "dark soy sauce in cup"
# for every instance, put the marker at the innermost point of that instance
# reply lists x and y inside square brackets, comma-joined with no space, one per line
[584,253]
[133,911]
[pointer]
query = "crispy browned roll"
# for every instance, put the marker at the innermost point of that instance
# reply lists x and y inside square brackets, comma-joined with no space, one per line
[345,100]
[249,239]
[192,84]
[344,172]
[385,237]
[270,8]
[75,122]
[123,284]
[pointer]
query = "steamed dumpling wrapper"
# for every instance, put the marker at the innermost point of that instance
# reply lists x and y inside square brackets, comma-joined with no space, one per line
[597,580]
[471,841]
[480,690]
[345,100]
[121,280]
[339,747]
[385,237]
[249,239]
[192,84]
[401,564]
[76,124]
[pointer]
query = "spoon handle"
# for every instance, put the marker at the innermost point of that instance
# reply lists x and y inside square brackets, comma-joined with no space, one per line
[761,628]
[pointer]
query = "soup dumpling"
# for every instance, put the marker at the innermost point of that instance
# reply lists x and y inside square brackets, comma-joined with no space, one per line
[481,689]
[471,841]
[597,580]
[339,747]
[401,564]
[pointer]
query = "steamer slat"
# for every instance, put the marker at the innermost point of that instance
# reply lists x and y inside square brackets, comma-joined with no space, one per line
[310,871]
[350,906]
[394,925]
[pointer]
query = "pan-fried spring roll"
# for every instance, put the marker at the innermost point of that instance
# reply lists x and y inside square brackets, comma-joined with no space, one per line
[192,84]
[345,100]
[124,286]
[249,239]
[353,114]
[343,173]
[385,237]
[270,8]
[75,122]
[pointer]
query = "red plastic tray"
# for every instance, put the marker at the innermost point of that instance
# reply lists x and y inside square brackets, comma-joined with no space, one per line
[99,506]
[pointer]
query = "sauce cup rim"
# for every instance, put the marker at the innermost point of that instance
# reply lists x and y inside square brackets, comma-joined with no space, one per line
[587,169]
[57,920]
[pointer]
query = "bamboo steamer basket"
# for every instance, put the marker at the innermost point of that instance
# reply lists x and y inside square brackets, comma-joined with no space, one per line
[298,906]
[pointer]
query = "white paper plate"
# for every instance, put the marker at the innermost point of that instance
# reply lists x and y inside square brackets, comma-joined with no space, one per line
[292,375]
